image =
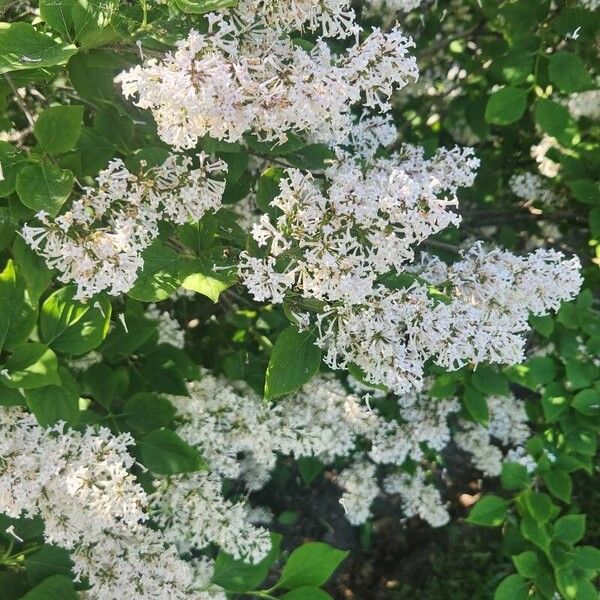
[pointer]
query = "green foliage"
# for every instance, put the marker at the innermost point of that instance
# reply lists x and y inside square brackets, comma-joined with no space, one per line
[294,361]
[44,187]
[237,576]
[163,451]
[506,105]
[203,6]
[53,403]
[490,510]
[310,565]
[71,327]
[519,61]
[22,47]
[569,72]
[32,365]
[58,128]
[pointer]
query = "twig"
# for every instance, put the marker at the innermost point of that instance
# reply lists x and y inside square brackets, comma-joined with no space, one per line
[19,100]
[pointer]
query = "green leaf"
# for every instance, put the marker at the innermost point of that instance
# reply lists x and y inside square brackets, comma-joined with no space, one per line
[554,401]
[33,268]
[514,476]
[12,160]
[570,528]
[555,120]
[506,105]
[294,361]
[10,396]
[164,452]
[56,587]
[44,187]
[559,484]
[567,71]
[542,370]
[17,316]
[268,189]
[476,405]
[13,585]
[161,275]
[166,369]
[288,517]
[573,588]
[57,13]
[515,66]
[580,374]
[95,151]
[123,341]
[535,532]
[32,365]
[209,277]
[238,576]
[587,402]
[444,386]
[105,384]
[311,564]
[72,327]
[53,403]
[489,381]
[582,441]
[47,561]
[92,74]
[539,506]
[294,143]
[513,587]
[587,557]
[92,22]
[199,7]
[23,47]
[595,222]
[314,157]
[58,128]
[146,411]
[306,593]
[310,468]
[490,510]
[544,325]
[585,191]
[527,564]
[115,127]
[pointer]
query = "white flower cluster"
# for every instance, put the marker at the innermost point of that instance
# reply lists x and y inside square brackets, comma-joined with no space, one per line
[192,513]
[394,5]
[334,18]
[418,497]
[532,187]
[336,241]
[325,421]
[138,564]
[546,166]
[241,437]
[169,330]
[360,227]
[98,243]
[423,421]
[590,4]
[82,487]
[359,483]
[508,426]
[585,104]
[225,424]
[371,133]
[79,484]
[233,80]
